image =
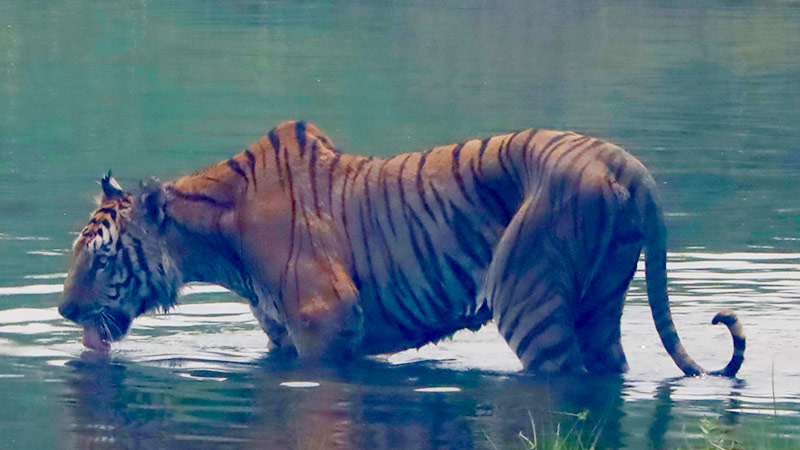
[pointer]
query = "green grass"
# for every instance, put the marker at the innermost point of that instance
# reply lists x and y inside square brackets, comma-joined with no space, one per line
[572,439]
[715,436]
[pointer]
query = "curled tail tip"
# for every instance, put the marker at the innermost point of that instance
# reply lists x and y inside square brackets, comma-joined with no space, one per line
[729,319]
[726,317]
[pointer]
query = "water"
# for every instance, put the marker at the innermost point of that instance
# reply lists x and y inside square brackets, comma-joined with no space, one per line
[706,95]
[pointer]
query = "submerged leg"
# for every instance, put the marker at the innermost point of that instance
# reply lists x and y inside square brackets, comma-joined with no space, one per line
[530,289]
[279,340]
[599,311]
[597,322]
[325,317]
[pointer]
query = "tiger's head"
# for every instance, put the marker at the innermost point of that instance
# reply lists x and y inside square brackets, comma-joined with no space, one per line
[120,267]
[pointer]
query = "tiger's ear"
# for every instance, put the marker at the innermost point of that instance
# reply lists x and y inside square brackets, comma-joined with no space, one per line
[153,201]
[111,188]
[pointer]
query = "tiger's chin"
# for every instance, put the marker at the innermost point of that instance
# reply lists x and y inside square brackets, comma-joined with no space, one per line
[100,331]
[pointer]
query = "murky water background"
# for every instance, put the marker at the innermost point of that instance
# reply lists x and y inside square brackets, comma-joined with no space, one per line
[707,96]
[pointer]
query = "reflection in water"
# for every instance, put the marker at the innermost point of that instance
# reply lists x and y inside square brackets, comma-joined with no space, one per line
[200,378]
[364,405]
[107,412]
[663,415]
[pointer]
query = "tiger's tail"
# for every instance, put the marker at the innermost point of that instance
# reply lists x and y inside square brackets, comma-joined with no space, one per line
[656,277]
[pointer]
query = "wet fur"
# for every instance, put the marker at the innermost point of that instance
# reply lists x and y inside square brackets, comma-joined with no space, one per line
[342,255]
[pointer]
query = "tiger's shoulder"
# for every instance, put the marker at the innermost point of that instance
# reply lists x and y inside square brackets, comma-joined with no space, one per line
[294,136]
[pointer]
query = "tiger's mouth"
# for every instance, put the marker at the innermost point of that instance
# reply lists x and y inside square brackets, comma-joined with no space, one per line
[93,339]
[103,328]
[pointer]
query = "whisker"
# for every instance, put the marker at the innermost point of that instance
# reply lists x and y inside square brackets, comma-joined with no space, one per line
[104,330]
[109,320]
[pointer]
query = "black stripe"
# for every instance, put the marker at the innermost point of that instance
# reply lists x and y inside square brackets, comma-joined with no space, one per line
[463,277]
[535,331]
[275,141]
[153,300]
[141,258]
[439,200]
[421,187]
[503,166]
[428,260]
[293,223]
[387,203]
[358,169]
[194,197]
[126,261]
[471,241]
[300,132]
[548,149]
[312,175]
[309,231]
[375,287]
[396,289]
[237,168]
[533,295]
[403,203]
[525,148]
[110,211]
[492,199]
[347,171]
[551,352]
[331,170]
[533,233]
[481,151]
[576,144]
[367,202]
[456,168]
[251,161]
[507,149]
[119,286]
[327,142]
[405,283]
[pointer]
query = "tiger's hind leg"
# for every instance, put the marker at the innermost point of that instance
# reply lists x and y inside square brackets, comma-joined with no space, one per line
[599,311]
[530,288]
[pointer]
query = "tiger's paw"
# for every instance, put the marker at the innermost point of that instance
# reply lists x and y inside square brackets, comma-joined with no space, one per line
[328,331]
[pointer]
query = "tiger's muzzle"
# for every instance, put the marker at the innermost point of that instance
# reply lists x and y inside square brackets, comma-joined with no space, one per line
[100,327]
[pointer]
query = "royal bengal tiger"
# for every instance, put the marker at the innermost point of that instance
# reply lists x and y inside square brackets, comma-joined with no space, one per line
[342,255]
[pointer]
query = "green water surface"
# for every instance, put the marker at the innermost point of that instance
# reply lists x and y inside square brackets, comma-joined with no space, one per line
[706,94]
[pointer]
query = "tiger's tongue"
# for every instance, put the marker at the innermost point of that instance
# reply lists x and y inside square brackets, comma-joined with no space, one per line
[92,340]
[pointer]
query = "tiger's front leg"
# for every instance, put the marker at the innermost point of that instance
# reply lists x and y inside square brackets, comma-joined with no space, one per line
[279,340]
[313,300]
[324,318]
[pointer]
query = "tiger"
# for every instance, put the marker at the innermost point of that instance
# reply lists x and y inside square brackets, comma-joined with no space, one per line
[343,256]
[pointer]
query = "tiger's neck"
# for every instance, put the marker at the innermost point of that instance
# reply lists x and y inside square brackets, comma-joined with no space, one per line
[209,257]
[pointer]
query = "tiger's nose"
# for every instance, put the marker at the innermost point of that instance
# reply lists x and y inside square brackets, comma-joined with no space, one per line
[69,310]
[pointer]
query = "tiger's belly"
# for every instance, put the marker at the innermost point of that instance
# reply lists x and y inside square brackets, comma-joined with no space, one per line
[423,286]
[400,315]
